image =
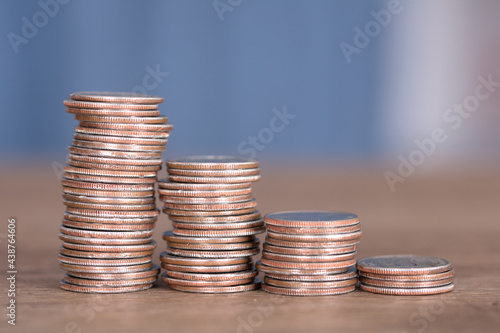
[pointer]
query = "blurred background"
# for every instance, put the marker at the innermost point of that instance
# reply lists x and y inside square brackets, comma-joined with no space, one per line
[224,66]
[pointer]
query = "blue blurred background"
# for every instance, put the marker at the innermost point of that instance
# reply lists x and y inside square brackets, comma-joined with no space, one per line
[230,63]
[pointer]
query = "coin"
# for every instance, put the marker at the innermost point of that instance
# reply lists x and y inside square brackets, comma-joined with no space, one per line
[298,271]
[403,265]
[110,180]
[109,227]
[214,173]
[170,237]
[117,146]
[308,251]
[154,271]
[106,220]
[120,139]
[314,231]
[205,201]
[218,226]
[114,154]
[90,170]
[122,120]
[200,213]
[219,233]
[212,163]
[175,260]
[113,112]
[214,247]
[164,183]
[86,205]
[109,283]
[308,259]
[111,248]
[307,292]
[315,238]
[105,269]
[212,276]
[115,161]
[116,97]
[104,255]
[351,273]
[254,215]
[213,254]
[106,194]
[311,219]
[213,180]
[112,213]
[217,290]
[107,187]
[104,262]
[204,194]
[103,105]
[213,207]
[311,245]
[112,201]
[408,291]
[141,234]
[102,290]
[409,278]
[129,168]
[126,127]
[103,241]
[207,269]
[405,284]
[125,133]
[309,265]
[195,283]
[310,285]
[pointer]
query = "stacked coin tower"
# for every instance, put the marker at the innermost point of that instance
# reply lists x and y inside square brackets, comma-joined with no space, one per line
[310,253]
[209,200]
[108,190]
[405,275]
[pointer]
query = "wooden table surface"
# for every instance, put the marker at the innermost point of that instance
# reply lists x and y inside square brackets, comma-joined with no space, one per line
[454,216]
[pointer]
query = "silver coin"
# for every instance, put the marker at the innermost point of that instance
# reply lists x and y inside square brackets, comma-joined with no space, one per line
[212,162]
[403,265]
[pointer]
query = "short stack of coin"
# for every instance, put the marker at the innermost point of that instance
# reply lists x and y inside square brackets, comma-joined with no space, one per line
[209,200]
[108,190]
[310,253]
[405,275]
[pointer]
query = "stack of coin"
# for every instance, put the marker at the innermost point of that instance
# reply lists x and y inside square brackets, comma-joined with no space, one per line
[310,253]
[209,200]
[108,190]
[405,275]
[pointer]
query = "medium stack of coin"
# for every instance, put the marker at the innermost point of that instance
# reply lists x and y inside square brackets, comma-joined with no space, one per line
[405,275]
[209,200]
[310,253]
[108,190]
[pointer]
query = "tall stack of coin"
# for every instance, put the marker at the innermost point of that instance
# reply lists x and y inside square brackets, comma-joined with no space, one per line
[108,190]
[209,200]
[310,253]
[405,275]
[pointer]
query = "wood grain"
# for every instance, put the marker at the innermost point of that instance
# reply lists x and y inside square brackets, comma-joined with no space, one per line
[454,216]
